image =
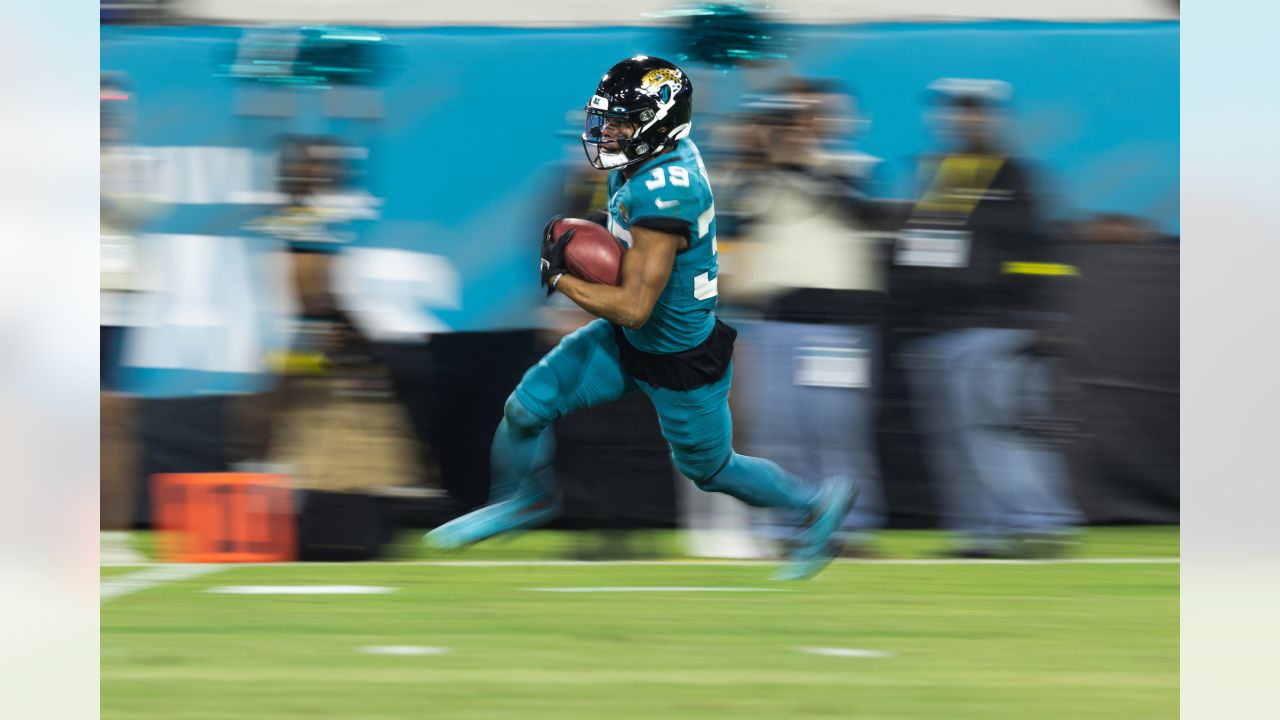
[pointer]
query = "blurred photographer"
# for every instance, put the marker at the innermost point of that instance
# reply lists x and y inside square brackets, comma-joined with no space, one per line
[804,265]
[971,267]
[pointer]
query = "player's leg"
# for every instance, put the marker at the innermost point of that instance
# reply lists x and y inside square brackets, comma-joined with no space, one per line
[772,415]
[699,429]
[582,371]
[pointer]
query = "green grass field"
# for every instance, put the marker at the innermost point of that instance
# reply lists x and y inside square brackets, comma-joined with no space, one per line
[1018,640]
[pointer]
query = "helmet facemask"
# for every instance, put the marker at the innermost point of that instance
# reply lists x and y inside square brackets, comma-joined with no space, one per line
[610,139]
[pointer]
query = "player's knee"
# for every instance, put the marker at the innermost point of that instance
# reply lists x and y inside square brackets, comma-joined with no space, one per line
[710,484]
[520,418]
[702,468]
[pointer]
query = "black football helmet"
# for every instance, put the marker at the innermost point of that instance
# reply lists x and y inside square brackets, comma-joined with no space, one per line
[651,96]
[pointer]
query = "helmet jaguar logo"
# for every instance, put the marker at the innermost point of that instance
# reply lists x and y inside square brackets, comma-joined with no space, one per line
[658,76]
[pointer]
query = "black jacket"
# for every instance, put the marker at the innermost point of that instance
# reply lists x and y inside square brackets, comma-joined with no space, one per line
[958,254]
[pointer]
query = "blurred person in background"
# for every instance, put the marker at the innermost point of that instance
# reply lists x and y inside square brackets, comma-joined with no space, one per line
[322,212]
[731,51]
[657,331]
[322,208]
[966,267]
[126,205]
[808,266]
[210,309]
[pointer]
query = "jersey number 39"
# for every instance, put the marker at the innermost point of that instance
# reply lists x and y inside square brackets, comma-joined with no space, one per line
[704,286]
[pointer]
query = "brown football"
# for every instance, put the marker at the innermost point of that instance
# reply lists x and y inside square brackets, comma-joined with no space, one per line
[593,253]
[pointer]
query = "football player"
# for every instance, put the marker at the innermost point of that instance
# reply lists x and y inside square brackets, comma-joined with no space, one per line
[656,332]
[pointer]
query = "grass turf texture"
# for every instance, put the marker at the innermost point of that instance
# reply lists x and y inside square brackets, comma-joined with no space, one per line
[967,641]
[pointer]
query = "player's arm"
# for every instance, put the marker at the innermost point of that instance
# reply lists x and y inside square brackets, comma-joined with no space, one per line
[646,268]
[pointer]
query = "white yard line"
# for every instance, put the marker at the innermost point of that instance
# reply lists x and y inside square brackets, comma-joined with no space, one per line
[111,588]
[706,563]
[403,650]
[845,652]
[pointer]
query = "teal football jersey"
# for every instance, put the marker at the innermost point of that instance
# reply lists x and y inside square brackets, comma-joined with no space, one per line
[672,188]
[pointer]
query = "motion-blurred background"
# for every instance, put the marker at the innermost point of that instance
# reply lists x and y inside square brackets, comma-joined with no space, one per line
[949,235]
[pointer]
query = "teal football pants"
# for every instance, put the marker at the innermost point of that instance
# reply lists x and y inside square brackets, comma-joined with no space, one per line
[583,371]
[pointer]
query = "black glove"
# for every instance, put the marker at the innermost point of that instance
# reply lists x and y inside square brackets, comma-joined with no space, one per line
[553,253]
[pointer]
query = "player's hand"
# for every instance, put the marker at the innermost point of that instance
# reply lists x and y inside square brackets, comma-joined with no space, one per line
[553,254]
